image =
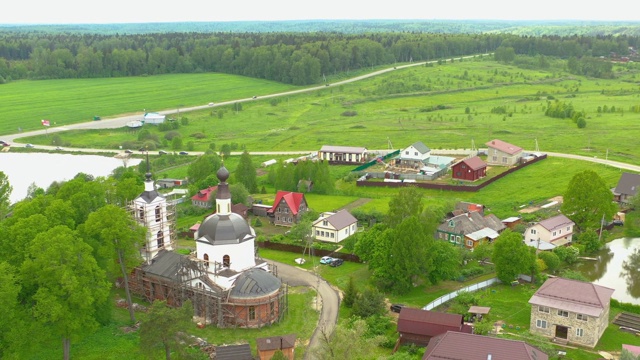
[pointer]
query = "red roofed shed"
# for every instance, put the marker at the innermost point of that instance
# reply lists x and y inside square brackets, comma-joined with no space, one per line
[203,197]
[470,169]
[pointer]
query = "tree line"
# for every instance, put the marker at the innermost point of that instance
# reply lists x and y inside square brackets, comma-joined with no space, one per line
[294,58]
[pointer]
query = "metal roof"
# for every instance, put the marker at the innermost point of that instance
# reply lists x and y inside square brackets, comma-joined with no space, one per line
[474,163]
[165,264]
[559,221]
[573,295]
[427,323]
[461,346]
[628,184]
[234,352]
[421,147]
[343,149]
[219,229]
[504,146]
[339,220]
[276,342]
[255,283]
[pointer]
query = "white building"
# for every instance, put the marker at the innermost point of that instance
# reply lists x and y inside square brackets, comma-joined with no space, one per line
[153,118]
[150,209]
[555,231]
[417,154]
[334,227]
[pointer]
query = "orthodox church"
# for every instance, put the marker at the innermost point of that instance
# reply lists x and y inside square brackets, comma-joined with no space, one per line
[227,284]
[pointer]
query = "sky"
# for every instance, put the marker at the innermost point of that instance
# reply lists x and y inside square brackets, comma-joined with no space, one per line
[145,11]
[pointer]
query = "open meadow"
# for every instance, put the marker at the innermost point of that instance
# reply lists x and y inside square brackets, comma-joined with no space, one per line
[453,105]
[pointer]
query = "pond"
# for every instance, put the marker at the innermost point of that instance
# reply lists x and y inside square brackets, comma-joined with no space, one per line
[23,169]
[617,267]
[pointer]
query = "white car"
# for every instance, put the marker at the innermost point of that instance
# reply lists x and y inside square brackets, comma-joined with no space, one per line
[211,104]
[326,260]
[29,146]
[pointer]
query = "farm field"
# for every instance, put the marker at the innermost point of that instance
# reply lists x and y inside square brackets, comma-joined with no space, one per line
[444,106]
[70,101]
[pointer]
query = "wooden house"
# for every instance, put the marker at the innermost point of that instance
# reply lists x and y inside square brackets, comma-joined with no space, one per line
[470,169]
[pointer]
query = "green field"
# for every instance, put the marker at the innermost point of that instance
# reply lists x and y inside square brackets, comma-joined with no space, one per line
[396,109]
[71,101]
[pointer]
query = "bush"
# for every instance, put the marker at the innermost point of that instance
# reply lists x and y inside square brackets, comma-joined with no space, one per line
[257,223]
[349,113]
[171,134]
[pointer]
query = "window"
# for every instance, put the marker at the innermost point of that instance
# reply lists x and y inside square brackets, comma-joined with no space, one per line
[206,260]
[332,235]
[494,158]
[325,223]
[226,261]
[563,313]
[415,153]
[457,239]
[463,166]
[141,213]
[579,332]
[272,308]
[160,239]
[504,159]
[542,324]
[406,152]
[554,233]
[533,231]
[469,243]
[568,228]
[544,309]
[582,317]
[279,209]
[277,218]
[252,312]
[317,232]
[158,217]
[559,231]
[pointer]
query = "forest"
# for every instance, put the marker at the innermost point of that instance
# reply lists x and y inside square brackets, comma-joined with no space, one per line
[286,57]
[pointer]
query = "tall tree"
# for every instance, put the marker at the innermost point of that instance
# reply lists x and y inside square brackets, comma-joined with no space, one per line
[407,203]
[202,167]
[511,256]
[161,328]
[588,200]
[66,282]
[5,192]
[116,239]
[246,173]
[347,343]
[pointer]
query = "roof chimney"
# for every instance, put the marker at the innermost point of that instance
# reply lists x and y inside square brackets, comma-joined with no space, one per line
[489,357]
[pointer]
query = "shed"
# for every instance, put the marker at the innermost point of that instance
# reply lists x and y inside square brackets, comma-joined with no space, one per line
[417,326]
[269,345]
[234,352]
[153,118]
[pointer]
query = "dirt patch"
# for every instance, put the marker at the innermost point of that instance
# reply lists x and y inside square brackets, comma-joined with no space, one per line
[355,204]
[534,208]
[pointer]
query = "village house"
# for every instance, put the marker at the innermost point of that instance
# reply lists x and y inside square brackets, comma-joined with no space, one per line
[417,326]
[503,153]
[415,156]
[204,197]
[570,311]
[627,188]
[334,227]
[288,207]
[549,233]
[470,229]
[343,154]
[470,169]
[169,183]
[478,347]
[268,346]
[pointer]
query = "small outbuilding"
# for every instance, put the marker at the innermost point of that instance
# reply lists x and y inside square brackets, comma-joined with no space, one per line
[417,326]
[268,346]
[470,169]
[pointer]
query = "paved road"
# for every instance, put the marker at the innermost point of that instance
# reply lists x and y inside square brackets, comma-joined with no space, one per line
[330,299]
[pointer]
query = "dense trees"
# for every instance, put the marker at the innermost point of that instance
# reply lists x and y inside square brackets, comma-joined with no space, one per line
[5,191]
[512,257]
[161,328]
[246,173]
[296,58]
[587,200]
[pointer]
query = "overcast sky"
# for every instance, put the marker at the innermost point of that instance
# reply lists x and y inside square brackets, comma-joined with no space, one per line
[136,11]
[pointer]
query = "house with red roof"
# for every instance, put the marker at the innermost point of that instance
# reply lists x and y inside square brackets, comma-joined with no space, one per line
[470,169]
[447,346]
[570,311]
[503,153]
[417,326]
[549,233]
[204,197]
[288,207]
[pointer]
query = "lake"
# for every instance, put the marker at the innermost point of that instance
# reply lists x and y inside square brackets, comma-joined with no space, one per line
[23,169]
[618,267]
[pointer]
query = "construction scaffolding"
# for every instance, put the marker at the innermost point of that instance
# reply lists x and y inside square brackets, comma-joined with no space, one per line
[184,279]
[157,217]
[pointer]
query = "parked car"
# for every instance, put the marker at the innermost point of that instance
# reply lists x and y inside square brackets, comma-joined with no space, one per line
[255,97]
[326,260]
[617,222]
[396,307]
[336,262]
[162,152]
[183,153]
[59,148]
[128,151]
[29,145]
[211,104]
[4,143]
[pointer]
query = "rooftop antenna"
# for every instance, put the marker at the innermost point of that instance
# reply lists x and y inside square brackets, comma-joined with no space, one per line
[389,143]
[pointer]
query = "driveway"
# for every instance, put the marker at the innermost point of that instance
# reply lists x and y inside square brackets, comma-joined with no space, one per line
[330,300]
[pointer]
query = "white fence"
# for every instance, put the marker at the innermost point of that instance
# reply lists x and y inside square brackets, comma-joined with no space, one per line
[471,288]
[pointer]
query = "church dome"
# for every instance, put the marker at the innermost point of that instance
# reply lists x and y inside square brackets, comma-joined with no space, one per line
[224,229]
[223,174]
[255,283]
